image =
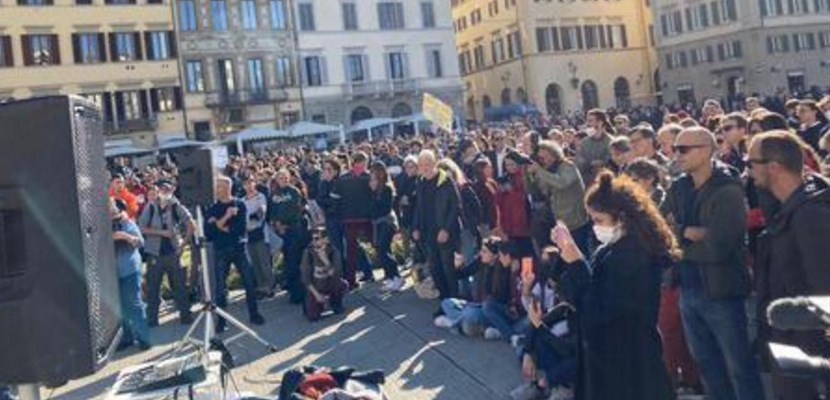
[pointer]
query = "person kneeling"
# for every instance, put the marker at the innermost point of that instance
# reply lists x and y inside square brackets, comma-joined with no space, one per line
[322,276]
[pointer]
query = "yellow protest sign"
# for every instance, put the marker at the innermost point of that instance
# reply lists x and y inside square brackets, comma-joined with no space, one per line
[438,112]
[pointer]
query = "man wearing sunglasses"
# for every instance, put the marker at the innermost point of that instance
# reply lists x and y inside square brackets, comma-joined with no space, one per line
[792,258]
[707,209]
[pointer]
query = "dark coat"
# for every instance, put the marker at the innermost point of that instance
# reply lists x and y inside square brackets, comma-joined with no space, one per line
[405,186]
[720,208]
[486,192]
[620,352]
[353,197]
[440,213]
[793,260]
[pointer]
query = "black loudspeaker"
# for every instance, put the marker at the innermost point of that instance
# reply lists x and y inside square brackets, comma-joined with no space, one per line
[59,304]
[196,175]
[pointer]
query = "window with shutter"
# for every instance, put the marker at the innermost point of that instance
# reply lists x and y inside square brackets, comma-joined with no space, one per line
[555,39]
[713,6]
[6,59]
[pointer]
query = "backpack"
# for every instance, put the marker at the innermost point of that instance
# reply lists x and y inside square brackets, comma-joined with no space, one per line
[176,218]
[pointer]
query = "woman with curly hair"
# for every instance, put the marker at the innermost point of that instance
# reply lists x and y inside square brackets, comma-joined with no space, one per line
[617,293]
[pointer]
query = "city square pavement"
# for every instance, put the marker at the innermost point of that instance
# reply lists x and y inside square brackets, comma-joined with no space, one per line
[379,331]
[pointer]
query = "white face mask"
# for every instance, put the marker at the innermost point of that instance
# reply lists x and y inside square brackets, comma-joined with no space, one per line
[591,132]
[607,234]
[165,197]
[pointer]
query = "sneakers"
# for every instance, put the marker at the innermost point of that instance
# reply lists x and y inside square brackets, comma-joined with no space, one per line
[526,391]
[517,341]
[395,284]
[561,393]
[492,334]
[257,319]
[443,322]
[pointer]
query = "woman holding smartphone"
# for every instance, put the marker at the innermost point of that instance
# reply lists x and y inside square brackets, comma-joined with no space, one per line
[617,293]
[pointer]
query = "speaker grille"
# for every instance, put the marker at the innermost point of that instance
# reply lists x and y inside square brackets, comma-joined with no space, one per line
[90,178]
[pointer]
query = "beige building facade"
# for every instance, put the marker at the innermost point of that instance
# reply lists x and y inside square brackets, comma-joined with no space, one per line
[238,65]
[558,56]
[122,54]
[363,59]
[727,48]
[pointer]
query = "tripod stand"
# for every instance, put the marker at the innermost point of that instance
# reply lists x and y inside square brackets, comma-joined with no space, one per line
[208,310]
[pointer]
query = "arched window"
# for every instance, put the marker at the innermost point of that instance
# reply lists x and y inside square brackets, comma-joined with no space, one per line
[622,93]
[590,97]
[553,100]
[521,96]
[505,97]
[361,113]
[401,110]
[485,102]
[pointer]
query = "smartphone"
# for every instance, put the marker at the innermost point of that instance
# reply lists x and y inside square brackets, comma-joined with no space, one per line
[560,232]
[527,267]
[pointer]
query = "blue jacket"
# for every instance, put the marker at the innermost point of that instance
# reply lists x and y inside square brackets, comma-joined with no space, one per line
[127,256]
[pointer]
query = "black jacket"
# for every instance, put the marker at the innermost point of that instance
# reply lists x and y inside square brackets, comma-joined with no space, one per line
[437,207]
[793,260]
[620,351]
[812,135]
[353,197]
[720,208]
[405,186]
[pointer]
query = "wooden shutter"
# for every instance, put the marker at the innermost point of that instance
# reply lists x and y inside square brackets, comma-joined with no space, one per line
[56,50]
[145,109]
[154,100]
[177,98]
[119,106]
[623,36]
[114,48]
[26,44]
[106,98]
[76,48]
[7,51]
[102,47]
[174,48]
[770,46]
[137,45]
[148,41]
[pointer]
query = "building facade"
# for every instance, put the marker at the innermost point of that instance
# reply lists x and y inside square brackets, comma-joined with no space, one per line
[238,63]
[362,59]
[558,56]
[725,49]
[122,54]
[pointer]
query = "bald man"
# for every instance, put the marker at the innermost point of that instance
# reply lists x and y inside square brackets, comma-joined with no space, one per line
[707,207]
[436,222]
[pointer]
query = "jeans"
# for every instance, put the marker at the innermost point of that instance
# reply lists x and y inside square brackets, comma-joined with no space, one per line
[442,269]
[238,256]
[559,370]
[465,315]
[498,317]
[383,234]
[157,267]
[355,256]
[261,263]
[133,319]
[292,250]
[716,331]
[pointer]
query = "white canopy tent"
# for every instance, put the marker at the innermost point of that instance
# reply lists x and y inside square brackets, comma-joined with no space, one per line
[179,142]
[254,133]
[305,128]
[120,151]
[415,120]
[372,123]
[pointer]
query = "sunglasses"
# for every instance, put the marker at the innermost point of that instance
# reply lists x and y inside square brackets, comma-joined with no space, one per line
[756,161]
[685,148]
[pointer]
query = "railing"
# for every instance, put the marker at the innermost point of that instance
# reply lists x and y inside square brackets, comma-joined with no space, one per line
[242,97]
[221,99]
[379,88]
[132,125]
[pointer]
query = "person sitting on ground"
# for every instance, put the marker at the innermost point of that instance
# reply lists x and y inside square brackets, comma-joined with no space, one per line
[322,276]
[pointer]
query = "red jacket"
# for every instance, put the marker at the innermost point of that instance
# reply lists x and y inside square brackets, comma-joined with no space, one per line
[129,198]
[514,215]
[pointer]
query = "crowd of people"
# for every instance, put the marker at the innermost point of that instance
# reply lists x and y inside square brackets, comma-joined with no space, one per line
[622,260]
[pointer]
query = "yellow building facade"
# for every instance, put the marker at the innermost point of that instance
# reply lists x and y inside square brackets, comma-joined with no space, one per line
[122,54]
[560,56]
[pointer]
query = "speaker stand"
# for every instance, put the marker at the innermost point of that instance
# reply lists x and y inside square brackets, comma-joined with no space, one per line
[208,311]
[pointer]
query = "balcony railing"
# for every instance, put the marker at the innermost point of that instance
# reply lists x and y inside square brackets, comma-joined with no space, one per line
[245,97]
[379,88]
[131,125]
